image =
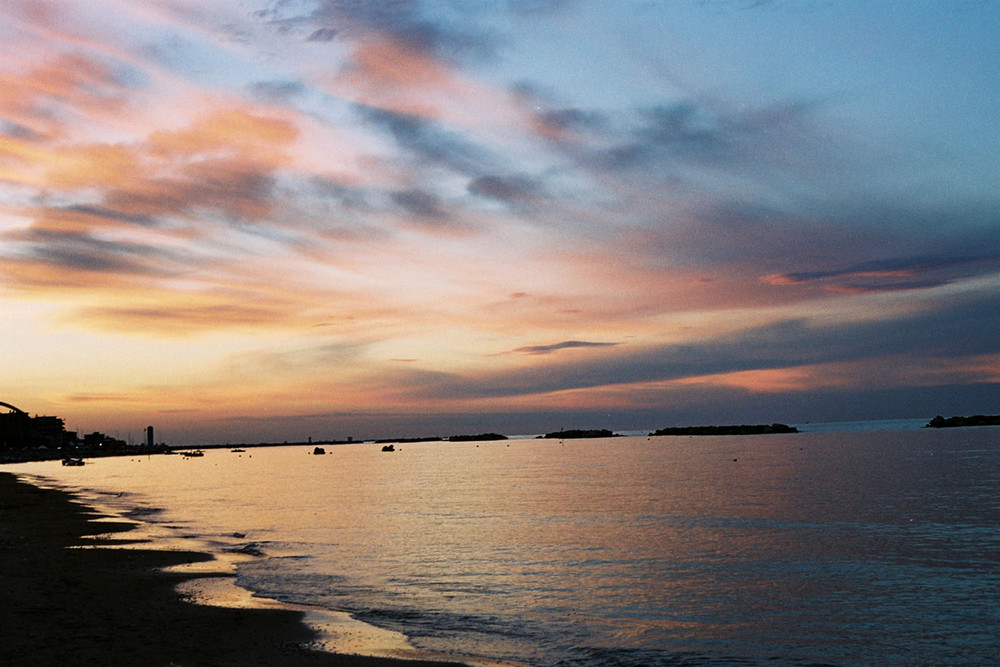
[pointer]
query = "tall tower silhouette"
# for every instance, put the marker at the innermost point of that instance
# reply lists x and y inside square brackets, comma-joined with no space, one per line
[149,436]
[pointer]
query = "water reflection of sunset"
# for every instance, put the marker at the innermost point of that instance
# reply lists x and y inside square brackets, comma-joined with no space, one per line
[837,547]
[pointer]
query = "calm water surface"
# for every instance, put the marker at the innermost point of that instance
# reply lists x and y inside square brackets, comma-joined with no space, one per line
[841,548]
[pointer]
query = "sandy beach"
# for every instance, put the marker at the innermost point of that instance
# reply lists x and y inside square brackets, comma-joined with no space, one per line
[93,606]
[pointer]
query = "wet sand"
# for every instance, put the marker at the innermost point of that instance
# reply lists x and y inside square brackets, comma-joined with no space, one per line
[94,606]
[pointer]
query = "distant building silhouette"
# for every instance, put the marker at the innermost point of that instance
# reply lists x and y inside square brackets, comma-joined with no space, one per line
[27,438]
[20,430]
[48,431]
[15,428]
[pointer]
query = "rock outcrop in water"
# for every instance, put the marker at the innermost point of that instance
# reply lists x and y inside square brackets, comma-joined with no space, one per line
[740,429]
[952,422]
[580,433]
[482,437]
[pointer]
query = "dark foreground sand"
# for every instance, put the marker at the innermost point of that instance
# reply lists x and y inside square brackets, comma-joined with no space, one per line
[61,606]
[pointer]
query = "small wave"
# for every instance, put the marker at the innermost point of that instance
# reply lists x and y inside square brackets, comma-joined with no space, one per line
[250,549]
[592,656]
[420,622]
[142,513]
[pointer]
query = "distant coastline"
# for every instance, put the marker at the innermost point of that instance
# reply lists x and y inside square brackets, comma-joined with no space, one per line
[25,440]
[954,422]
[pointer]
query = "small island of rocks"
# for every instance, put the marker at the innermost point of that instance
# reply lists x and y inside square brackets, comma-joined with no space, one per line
[579,433]
[952,422]
[739,429]
[482,437]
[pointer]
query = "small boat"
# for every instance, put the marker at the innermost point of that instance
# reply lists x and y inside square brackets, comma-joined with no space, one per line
[195,453]
[319,450]
[71,461]
[388,448]
[237,450]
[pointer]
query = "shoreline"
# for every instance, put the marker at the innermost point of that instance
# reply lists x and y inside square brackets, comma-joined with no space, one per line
[105,605]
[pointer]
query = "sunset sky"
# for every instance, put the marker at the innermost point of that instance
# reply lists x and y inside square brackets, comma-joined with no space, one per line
[249,220]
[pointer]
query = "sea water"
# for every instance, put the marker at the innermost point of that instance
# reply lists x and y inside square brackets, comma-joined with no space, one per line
[836,547]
